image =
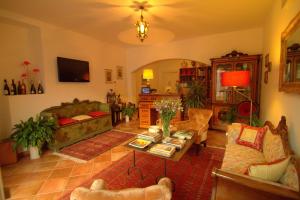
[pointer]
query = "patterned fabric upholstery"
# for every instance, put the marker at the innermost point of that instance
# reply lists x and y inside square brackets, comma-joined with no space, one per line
[233,132]
[238,158]
[74,132]
[273,147]
[290,178]
[198,122]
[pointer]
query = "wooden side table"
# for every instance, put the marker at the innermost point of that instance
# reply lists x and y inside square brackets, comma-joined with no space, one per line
[7,154]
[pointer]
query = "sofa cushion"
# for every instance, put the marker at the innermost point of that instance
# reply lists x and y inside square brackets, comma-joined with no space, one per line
[238,158]
[97,113]
[81,117]
[290,177]
[66,121]
[272,147]
[251,137]
[269,171]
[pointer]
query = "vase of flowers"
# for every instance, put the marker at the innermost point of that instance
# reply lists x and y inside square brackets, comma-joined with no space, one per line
[167,109]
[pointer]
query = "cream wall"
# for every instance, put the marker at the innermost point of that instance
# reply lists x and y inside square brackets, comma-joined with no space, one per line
[50,42]
[199,49]
[164,71]
[275,103]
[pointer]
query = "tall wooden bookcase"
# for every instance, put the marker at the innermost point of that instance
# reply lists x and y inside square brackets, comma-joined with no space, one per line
[223,98]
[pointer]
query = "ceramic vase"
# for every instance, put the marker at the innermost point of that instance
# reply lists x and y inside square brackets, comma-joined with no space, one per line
[127,118]
[34,152]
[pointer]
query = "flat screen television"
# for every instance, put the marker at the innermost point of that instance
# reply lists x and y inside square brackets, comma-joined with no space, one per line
[71,70]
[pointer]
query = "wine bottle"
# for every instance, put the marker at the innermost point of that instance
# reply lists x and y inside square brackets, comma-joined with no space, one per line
[13,90]
[6,90]
[32,89]
[19,88]
[40,89]
[23,87]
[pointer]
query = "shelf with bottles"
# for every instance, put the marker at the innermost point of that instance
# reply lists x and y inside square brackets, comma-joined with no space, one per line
[21,88]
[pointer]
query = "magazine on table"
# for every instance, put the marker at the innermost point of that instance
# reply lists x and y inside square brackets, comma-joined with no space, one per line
[163,150]
[178,143]
[140,143]
[153,137]
[183,134]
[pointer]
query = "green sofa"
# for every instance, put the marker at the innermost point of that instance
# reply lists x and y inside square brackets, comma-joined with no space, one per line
[70,131]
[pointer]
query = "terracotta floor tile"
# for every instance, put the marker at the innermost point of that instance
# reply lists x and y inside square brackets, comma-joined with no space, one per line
[51,196]
[25,191]
[15,180]
[50,157]
[65,163]
[82,169]
[23,169]
[99,166]
[76,181]
[45,166]
[39,176]
[103,157]
[61,173]
[53,185]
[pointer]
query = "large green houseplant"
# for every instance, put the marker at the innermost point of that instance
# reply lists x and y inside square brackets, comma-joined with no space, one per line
[128,111]
[195,97]
[33,133]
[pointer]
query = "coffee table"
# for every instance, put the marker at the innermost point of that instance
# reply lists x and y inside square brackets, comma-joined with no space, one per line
[175,157]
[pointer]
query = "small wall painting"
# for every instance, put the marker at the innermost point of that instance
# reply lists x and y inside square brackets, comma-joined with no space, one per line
[119,72]
[108,75]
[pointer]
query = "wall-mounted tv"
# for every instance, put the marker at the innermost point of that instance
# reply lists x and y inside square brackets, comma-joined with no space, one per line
[71,70]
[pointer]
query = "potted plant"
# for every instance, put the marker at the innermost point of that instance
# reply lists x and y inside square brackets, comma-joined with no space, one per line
[128,111]
[167,109]
[195,96]
[33,133]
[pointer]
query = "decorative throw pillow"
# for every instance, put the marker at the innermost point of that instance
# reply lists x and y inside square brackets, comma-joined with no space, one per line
[81,117]
[252,137]
[65,121]
[270,171]
[97,113]
[273,147]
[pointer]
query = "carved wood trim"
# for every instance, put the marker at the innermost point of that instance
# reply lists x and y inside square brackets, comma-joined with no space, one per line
[282,131]
[234,54]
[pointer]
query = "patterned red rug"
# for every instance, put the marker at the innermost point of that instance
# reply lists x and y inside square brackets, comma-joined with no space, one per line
[92,147]
[192,174]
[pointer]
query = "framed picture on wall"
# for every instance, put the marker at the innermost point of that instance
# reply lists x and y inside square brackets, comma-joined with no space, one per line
[119,72]
[108,75]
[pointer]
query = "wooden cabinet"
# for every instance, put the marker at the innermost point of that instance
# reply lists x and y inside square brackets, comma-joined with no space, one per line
[147,113]
[223,98]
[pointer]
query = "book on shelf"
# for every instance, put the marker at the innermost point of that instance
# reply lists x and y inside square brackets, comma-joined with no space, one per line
[176,142]
[163,150]
[140,143]
[153,137]
[183,134]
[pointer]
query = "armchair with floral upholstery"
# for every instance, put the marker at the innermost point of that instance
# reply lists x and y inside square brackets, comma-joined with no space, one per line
[198,122]
[97,191]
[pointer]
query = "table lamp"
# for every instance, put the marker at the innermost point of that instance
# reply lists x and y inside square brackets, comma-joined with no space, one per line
[148,75]
[238,79]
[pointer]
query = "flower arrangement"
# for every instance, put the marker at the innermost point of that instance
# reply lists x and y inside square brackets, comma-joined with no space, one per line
[167,109]
[29,74]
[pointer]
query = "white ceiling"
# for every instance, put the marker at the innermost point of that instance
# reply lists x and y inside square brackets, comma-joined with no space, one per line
[113,20]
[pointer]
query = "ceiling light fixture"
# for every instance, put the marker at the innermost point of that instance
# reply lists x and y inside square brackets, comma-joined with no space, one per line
[142,26]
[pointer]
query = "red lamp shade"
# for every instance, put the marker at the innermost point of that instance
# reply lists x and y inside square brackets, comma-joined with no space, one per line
[235,78]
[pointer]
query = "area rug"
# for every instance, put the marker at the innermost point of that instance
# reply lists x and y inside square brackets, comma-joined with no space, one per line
[192,174]
[92,147]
